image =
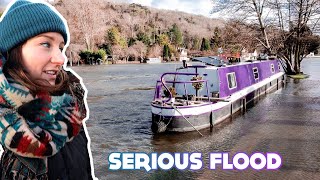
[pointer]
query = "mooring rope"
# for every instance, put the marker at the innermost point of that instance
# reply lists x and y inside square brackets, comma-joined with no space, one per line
[175,108]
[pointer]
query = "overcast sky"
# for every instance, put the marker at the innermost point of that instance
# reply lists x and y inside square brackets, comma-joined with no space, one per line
[3,3]
[201,7]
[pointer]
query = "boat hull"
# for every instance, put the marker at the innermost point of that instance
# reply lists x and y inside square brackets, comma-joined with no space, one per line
[190,118]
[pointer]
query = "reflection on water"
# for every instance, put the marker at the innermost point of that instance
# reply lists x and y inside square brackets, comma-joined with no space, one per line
[285,121]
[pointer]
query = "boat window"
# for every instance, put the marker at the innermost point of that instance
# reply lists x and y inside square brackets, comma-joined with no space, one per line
[232,82]
[255,73]
[279,65]
[272,68]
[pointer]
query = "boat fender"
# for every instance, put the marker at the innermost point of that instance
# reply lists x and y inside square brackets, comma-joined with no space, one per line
[158,127]
[211,120]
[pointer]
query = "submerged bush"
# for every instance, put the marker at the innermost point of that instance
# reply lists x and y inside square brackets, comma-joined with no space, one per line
[91,57]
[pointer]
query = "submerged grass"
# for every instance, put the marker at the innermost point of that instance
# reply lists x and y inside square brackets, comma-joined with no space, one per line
[299,76]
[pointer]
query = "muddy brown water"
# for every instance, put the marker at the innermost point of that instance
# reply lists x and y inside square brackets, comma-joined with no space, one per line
[286,121]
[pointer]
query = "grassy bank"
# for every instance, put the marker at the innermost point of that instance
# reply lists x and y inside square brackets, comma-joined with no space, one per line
[299,76]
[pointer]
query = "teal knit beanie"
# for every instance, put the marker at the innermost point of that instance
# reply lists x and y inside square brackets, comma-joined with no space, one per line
[24,20]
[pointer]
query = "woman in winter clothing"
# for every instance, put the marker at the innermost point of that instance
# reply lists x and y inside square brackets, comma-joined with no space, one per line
[42,106]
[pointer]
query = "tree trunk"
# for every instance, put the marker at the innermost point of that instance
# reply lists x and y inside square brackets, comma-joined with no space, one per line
[287,63]
[290,68]
[296,61]
[88,44]
[259,11]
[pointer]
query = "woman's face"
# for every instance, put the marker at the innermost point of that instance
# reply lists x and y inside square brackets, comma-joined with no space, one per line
[42,56]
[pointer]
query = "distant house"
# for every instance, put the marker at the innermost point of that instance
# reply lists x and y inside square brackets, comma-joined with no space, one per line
[315,53]
[152,60]
[183,55]
[210,60]
[248,55]
[310,54]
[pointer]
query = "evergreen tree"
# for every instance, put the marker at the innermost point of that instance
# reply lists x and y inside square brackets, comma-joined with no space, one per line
[215,41]
[196,43]
[176,35]
[123,42]
[163,39]
[131,41]
[205,45]
[113,36]
[106,48]
[143,38]
[166,52]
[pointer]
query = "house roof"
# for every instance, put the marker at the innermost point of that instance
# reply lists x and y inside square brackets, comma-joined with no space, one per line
[211,60]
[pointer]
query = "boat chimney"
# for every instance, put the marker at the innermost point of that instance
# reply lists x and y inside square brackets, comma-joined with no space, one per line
[184,63]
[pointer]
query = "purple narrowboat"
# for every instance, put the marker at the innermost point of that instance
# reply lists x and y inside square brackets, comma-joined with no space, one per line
[199,96]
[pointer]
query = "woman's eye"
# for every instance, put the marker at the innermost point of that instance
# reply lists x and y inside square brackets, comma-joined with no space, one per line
[45,45]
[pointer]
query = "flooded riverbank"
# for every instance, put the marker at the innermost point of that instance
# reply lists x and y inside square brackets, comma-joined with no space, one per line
[286,121]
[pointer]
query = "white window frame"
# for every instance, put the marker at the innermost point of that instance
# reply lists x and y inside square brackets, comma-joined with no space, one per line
[234,79]
[272,68]
[257,71]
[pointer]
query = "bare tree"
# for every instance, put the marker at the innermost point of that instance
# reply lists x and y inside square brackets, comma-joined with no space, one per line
[89,21]
[155,51]
[140,48]
[287,22]
[118,52]
[237,36]
[83,17]
[252,11]
[297,21]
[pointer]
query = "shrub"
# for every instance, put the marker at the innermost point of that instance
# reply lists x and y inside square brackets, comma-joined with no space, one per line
[100,54]
[92,56]
[106,47]
[85,55]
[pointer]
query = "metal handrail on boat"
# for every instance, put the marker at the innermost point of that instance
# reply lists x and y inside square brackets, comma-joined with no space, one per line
[163,84]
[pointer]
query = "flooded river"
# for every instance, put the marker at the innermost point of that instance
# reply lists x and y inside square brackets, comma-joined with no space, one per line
[286,121]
